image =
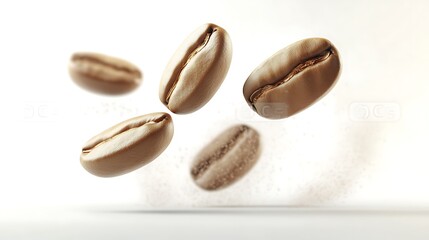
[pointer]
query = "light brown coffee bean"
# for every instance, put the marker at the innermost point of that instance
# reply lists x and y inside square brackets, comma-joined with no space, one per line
[227,158]
[104,74]
[293,79]
[128,145]
[196,70]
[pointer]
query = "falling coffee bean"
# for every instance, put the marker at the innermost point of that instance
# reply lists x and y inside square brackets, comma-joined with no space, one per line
[128,145]
[196,70]
[293,79]
[227,158]
[104,74]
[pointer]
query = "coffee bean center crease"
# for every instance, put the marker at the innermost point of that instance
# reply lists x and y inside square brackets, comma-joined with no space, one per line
[198,49]
[299,68]
[88,60]
[199,170]
[122,131]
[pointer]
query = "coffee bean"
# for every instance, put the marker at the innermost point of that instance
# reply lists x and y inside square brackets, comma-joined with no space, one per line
[196,70]
[293,79]
[104,74]
[227,158]
[128,145]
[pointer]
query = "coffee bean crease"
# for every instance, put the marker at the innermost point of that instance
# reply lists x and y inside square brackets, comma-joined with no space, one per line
[218,155]
[198,49]
[122,131]
[86,59]
[295,71]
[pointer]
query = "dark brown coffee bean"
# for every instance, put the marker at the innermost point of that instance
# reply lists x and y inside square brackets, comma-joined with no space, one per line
[293,79]
[128,145]
[196,70]
[227,158]
[104,74]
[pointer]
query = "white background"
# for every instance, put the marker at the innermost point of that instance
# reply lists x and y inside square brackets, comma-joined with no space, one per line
[364,144]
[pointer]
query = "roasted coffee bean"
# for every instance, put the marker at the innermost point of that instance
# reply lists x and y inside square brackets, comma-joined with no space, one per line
[128,145]
[227,158]
[196,70]
[104,74]
[293,79]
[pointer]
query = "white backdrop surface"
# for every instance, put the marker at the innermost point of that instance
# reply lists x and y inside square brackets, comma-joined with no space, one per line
[364,144]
